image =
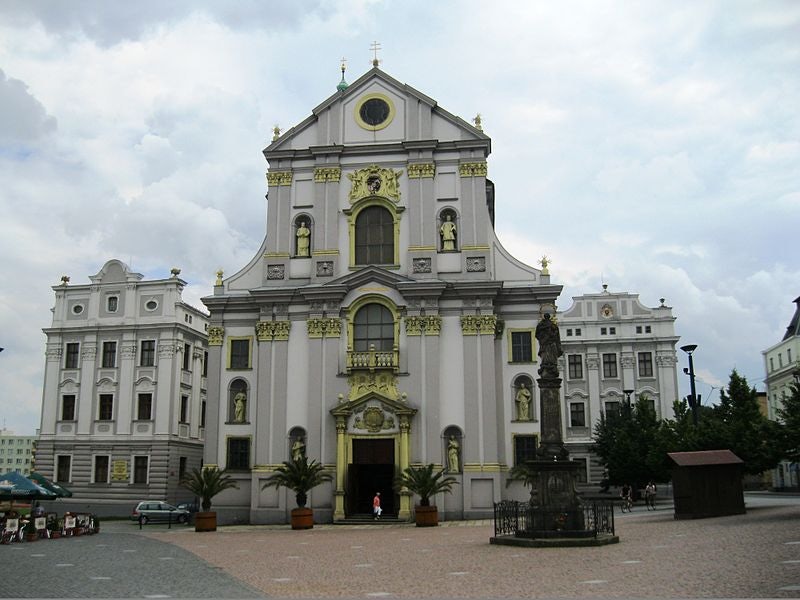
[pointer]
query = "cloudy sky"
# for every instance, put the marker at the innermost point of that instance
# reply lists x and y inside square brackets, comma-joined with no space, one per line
[651,146]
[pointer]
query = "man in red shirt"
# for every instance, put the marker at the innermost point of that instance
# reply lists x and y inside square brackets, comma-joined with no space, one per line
[376,506]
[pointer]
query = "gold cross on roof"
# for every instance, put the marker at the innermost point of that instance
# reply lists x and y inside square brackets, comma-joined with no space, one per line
[375,47]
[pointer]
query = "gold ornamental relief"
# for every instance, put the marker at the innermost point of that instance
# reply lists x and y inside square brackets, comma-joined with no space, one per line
[383,383]
[374,420]
[375,181]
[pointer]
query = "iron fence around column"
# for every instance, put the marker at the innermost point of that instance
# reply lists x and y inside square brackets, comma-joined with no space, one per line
[523,520]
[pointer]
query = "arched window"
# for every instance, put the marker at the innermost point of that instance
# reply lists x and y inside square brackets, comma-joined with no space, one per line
[374,237]
[373,325]
[238,392]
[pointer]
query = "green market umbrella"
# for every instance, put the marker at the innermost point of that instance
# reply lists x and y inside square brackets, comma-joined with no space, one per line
[14,486]
[59,490]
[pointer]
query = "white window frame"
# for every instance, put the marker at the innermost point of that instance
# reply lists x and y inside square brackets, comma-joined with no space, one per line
[133,469]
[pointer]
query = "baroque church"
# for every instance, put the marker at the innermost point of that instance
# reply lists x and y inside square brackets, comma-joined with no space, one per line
[381,324]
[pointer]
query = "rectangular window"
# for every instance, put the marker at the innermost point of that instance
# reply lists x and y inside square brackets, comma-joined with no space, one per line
[205,364]
[101,463]
[147,355]
[203,413]
[72,355]
[109,355]
[238,453]
[521,346]
[612,409]
[603,331]
[63,468]
[581,474]
[140,468]
[575,366]
[612,330]
[106,407]
[577,414]
[187,356]
[240,354]
[780,360]
[68,407]
[569,332]
[610,366]
[638,329]
[645,364]
[181,468]
[524,448]
[789,355]
[647,329]
[578,331]
[144,407]
[771,364]
[184,409]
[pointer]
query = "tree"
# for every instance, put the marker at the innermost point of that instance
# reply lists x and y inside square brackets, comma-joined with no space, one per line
[738,425]
[207,483]
[789,414]
[631,445]
[300,476]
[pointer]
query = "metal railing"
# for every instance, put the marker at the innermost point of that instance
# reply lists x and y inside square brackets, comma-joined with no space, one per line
[372,359]
[523,520]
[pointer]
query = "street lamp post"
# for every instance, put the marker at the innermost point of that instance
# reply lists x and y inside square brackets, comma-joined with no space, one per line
[689,349]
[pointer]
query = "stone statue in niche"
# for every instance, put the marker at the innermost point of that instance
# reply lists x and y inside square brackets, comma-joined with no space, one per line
[303,239]
[240,407]
[453,449]
[298,449]
[448,233]
[523,399]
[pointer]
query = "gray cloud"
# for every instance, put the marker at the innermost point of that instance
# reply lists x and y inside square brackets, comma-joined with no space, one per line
[22,117]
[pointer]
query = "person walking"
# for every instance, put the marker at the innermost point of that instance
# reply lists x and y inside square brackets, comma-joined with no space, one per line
[627,499]
[376,506]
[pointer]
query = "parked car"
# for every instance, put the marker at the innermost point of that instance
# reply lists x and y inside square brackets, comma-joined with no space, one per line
[192,507]
[155,510]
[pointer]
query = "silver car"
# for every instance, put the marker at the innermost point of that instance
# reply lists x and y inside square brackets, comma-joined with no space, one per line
[155,510]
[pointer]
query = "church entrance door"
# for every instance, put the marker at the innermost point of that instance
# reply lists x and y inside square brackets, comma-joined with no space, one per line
[372,470]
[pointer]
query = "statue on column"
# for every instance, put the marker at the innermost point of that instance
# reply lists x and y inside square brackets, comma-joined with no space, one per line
[448,233]
[549,339]
[298,449]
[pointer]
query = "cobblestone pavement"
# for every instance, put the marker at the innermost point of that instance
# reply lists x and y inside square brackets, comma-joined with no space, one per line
[112,565]
[751,555]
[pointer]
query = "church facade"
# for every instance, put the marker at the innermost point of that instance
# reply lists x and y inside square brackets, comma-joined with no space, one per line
[381,323]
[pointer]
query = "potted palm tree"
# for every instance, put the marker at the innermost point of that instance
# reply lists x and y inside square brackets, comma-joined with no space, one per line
[205,484]
[299,476]
[424,482]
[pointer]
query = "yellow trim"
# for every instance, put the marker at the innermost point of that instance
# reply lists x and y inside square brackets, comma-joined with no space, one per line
[421,248]
[276,254]
[249,338]
[352,216]
[363,100]
[215,336]
[533,346]
[325,253]
[482,468]
[475,247]
[279,178]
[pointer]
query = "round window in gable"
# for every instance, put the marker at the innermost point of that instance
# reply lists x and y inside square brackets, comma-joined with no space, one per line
[151,305]
[77,309]
[374,112]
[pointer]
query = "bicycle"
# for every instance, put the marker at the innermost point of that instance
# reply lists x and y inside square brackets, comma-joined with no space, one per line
[627,504]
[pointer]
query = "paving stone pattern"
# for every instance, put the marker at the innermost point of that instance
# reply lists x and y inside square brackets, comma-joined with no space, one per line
[751,555]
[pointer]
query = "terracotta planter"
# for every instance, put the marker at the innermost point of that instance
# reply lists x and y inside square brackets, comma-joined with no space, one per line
[302,518]
[426,516]
[205,521]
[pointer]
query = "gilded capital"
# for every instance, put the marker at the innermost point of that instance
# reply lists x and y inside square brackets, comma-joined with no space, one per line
[418,170]
[414,325]
[264,331]
[432,324]
[487,324]
[279,178]
[474,169]
[215,335]
[323,174]
[470,324]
